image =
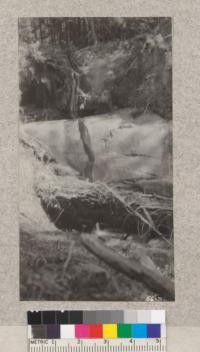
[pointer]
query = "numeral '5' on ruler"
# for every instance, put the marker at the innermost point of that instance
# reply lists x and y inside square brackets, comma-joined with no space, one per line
[97,331]
[97,345]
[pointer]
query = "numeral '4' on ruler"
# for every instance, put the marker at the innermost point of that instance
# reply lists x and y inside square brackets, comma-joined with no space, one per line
[97,345]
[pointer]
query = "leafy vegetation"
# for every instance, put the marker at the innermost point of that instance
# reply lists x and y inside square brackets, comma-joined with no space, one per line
[82,66]
[96,212]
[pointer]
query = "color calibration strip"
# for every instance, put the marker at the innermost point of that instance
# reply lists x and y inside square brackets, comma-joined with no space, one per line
[102,324]
[96,317]
[97,331]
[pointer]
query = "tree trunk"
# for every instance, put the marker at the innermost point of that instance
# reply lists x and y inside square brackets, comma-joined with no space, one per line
[93,33]
[74,95]
[87,145]
[134,269]
[90,28]
[40,27]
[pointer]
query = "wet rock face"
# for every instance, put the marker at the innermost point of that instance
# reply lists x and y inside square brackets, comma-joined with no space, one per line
[124,148]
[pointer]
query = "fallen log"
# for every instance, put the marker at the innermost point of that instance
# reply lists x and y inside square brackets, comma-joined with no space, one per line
[128,205]
[134,269]
[72,203]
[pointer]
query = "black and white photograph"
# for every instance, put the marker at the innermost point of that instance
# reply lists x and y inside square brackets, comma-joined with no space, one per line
[96,159]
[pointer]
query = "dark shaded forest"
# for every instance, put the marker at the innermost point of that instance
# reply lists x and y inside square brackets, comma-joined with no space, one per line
[74,67]
[96,193]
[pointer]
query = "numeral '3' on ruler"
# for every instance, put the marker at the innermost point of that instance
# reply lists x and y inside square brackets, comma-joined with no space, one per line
[97,345]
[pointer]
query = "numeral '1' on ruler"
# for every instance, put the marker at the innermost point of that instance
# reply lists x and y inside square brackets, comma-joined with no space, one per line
[97,345]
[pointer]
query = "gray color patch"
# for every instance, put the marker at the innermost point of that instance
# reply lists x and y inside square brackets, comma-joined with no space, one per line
[89,317]
[130,316]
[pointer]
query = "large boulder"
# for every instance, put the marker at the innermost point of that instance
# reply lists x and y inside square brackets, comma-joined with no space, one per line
[124,147]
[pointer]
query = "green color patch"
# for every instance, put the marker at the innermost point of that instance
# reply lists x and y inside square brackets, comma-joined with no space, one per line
[124,330]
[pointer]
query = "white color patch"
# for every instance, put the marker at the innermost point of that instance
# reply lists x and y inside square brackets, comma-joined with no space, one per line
[158,316]
[67,331]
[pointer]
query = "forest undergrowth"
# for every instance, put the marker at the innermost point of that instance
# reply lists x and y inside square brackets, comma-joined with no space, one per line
[96,208]
[56,259]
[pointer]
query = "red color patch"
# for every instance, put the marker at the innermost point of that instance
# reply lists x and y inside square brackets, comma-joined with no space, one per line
[96,331]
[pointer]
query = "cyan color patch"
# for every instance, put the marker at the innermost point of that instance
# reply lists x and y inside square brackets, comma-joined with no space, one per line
[139,331]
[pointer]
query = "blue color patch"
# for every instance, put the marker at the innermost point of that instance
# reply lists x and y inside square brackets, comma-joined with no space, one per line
[139,331]
[153,330]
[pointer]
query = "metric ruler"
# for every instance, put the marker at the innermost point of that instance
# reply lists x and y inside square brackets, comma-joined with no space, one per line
[97,331]
[97,345]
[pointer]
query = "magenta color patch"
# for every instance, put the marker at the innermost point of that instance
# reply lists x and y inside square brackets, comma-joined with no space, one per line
[82,331]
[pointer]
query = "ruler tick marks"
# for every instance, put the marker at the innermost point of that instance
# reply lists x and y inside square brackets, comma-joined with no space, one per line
[97,345]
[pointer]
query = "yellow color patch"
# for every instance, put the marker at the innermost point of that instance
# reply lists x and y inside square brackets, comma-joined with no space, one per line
[109,331]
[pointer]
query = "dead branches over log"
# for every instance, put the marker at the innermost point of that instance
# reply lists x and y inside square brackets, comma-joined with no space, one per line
[134,269]
[72,203]
[44,155]
[40,152]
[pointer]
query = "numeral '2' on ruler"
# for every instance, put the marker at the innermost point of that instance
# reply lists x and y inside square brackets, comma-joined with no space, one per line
[97,345]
